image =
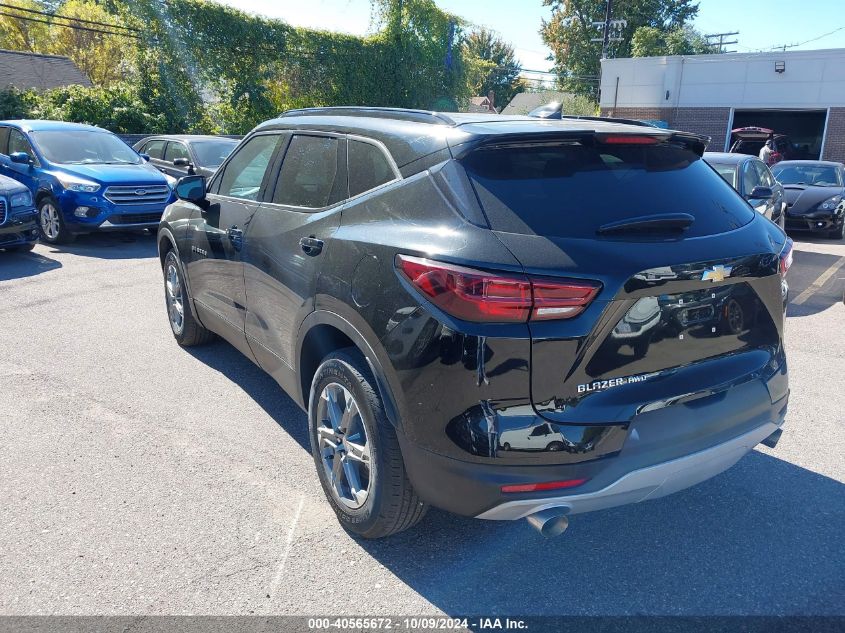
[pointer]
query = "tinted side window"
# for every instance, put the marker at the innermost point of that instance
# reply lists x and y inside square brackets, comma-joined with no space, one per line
[245,171]
[154,149]
[176,150]
[308,172]
[749,177]
[4,139]
[571,190]
[763,175]
[18,143]
[368,167]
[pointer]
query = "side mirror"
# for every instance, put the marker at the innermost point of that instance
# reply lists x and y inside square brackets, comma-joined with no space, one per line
[22,158]
[146,157]
[184,162]
[192,189]
[759,193]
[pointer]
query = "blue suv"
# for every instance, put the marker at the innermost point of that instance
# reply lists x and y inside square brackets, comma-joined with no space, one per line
[18,229]
[83,178]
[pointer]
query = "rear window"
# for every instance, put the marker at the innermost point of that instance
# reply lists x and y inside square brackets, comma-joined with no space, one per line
[570,190]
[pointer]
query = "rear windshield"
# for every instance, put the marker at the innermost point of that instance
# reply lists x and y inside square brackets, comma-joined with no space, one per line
[571,190]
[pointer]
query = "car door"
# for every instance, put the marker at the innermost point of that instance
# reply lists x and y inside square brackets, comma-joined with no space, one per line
[287,243]
[22,172]
[214,264]
[766,205]
[174,150]
[155,150]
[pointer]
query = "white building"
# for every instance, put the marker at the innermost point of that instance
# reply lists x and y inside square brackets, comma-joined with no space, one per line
[797,93]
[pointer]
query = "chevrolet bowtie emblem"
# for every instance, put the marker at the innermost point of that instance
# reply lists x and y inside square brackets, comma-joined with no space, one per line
[717,273]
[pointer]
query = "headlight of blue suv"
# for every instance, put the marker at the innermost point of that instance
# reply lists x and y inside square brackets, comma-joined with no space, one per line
[830,203]
[74,183]
[22,199]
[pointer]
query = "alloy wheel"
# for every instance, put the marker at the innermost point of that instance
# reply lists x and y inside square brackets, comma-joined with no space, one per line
[344,446]
[50,223]
[175,301]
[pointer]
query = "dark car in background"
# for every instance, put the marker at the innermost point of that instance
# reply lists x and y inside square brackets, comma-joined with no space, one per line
[753,180]
[83,178]
[430,287]
[185,154]
[814,196]
[750,140]
[18,217]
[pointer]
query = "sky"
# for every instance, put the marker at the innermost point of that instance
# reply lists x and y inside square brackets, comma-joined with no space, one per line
[762,24]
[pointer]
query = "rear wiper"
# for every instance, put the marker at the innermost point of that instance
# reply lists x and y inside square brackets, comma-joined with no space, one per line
[649,223]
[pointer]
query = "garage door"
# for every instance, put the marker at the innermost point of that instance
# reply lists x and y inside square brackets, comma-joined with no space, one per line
[805,128]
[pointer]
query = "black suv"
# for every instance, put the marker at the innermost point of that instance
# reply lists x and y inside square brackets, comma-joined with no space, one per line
[440,290]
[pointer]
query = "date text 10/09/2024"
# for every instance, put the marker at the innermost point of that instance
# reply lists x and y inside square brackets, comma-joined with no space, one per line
[417,623]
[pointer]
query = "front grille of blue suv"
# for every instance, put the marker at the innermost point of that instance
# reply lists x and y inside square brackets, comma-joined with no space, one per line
[82,178]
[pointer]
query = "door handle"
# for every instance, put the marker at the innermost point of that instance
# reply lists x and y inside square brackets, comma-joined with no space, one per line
[236,237]
[311,245]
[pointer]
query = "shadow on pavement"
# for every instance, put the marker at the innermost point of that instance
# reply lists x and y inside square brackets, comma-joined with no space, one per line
[110,245]
[258,385]
[14,265]
[763,538]
[806,269]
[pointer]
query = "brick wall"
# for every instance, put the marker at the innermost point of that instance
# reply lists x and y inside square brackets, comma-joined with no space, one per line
[712,122]
[834,143]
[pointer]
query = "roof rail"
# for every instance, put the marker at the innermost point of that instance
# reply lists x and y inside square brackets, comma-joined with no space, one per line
[607,118]
[399,114]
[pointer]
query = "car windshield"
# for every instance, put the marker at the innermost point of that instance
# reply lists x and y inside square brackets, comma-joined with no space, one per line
[84,147]
[213,153]
[728,172]
[810,174]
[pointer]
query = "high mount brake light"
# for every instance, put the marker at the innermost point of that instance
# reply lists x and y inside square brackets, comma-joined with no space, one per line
[481,296]
[786,257]
[629,139]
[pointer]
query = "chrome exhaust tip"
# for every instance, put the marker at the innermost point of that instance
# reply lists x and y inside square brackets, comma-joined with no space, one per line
[550,523]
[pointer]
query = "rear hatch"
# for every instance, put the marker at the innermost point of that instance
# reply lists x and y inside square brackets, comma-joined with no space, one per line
[690,300]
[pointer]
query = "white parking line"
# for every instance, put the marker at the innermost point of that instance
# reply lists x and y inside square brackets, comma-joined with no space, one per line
[819,282]
[286,553]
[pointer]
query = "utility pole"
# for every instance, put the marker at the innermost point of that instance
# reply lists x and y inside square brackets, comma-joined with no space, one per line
[606,38]
[720,45]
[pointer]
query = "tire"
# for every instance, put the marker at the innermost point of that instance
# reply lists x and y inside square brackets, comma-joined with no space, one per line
[186,329]
[356,451]
[51,224]
[22,248]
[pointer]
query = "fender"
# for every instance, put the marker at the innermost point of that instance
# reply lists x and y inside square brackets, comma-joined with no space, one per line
[325,317]
[165,233]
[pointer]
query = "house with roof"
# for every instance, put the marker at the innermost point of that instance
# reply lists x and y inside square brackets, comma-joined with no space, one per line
[27,71]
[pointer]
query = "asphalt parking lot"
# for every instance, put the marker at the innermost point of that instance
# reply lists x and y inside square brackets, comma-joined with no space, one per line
[140,478]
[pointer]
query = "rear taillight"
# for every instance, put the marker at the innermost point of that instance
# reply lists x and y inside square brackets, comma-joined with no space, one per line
[476,295]
[786,257]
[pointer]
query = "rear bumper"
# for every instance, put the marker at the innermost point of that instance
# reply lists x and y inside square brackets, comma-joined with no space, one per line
[665,451]
[647,483]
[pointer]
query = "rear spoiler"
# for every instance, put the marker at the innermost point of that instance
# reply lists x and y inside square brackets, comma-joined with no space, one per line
[696,143]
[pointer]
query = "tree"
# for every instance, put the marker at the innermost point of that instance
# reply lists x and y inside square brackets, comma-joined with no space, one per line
[17,34]
[681,40]
[104,58]
[494,66]
[570,30]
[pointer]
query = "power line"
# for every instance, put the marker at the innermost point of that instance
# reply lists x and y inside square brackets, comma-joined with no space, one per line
[69,26]
[720,45]
[70,18]
[813,39]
